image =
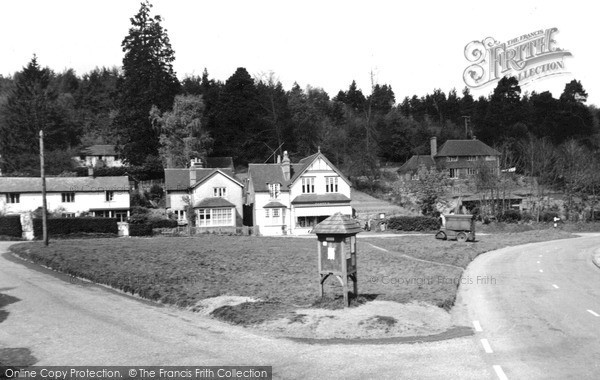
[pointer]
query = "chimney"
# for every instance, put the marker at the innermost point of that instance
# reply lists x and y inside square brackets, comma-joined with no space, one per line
[433,145]
[278,159]
[285,165]
[196,163]
[192,172]
[91,171]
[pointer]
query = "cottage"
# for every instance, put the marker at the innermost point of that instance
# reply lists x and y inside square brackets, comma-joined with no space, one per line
[214,195]
[286,198]
[99,155]
[461,158]
[67,196]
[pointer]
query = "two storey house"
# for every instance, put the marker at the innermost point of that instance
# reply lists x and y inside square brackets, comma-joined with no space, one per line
[286,198]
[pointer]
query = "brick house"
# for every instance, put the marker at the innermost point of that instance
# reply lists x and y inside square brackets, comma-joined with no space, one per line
[461,158]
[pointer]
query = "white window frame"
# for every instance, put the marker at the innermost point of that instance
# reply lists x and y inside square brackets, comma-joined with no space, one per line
[109,195]
[331,184]
[308,185]
[455,171]
[220,192]
[452,158]
[68,197]
[472,171]
[490,158]
[274,190]
[472,158]
[13,198]
[267,213]
[214,217]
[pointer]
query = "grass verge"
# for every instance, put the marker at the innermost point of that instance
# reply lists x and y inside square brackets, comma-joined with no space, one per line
[281,272]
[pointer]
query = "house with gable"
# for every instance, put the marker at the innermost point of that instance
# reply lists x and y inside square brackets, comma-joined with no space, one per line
[67,196]
[461,158]
[286,198]
[214,194]
[99,155]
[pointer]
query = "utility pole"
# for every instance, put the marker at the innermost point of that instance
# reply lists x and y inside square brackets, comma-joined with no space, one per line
[44,205]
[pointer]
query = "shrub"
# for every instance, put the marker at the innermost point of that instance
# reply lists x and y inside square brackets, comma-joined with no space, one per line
[413,223]
[141,229]
[139,215]
[163,223]
[509,216]
[10,225]
[66,226]
[548,216]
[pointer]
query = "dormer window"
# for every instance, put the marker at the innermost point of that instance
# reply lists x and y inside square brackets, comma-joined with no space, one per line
[452,158]
[274,190]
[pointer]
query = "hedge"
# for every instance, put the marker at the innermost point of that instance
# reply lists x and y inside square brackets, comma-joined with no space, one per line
[66,226]
[163,223]
[413,223]
[143,229]
[10,225]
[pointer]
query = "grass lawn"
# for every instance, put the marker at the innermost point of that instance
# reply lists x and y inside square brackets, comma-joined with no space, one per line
[279,271]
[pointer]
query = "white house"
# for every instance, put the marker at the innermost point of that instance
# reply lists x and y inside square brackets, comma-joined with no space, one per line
[99,155]
[291,198]
[216,195]
[67,196]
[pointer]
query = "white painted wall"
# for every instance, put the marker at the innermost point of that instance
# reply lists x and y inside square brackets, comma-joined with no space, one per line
[234,191]
[320,170]
[84,201]
[270,225]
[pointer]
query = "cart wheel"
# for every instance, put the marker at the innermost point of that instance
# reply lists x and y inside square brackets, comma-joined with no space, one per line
[441,235]
[461,237]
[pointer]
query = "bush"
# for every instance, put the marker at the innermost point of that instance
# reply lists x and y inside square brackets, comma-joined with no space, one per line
[509,216]
[548,216]
[142,229]
[10,225]
[163,223]
[413,223]
[66,226]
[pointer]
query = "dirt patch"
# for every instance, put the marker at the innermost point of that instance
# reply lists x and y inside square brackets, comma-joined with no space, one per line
[372,320]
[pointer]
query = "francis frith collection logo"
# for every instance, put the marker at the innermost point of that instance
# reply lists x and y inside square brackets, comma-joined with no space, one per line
[528,57]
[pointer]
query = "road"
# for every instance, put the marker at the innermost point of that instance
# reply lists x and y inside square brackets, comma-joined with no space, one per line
[74,324]
[537,309]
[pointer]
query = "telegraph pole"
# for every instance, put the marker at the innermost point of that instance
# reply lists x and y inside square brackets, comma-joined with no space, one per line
[44,205]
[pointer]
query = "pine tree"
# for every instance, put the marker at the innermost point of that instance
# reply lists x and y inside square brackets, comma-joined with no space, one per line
[148,79]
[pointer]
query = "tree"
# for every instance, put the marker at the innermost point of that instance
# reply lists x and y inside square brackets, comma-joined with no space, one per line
[30,107]
[148,79]
[181,134]
[429,188]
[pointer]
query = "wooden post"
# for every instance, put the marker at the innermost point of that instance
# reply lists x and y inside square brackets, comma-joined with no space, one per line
[44,205]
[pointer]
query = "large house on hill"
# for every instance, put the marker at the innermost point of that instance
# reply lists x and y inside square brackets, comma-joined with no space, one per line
[67,196]
[214,194]
[99,155]
[286,198]
[461,158]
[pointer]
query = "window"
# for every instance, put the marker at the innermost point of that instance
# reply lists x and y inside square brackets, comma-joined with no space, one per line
[121,216]
[13,198]
[490,158]
[452,158]
[209,217]
[472,171]
[309,221]
[180,214]
[68,214]
[267,213]
[331,184]
[472,158]
[219,191]
[274,190]
[109,195]
[68,197]
[308,185]
[453,173]
[275,213]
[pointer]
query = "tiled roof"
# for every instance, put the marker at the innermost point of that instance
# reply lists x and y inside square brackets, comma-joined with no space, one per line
[63,184]
[338,224]
[321,198]
[99,150]
[274,204]
[466,148]
[263,174]
[179,179]
[215,202]
[415,162]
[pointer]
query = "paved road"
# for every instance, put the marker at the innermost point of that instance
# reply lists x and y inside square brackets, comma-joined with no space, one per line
[538,309]
[66,324]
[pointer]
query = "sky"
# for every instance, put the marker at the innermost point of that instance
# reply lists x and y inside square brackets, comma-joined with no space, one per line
[415,47]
